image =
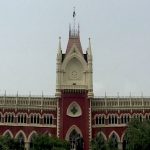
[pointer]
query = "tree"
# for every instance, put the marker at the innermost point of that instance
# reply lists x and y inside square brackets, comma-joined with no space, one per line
[45,142]
[138,135]
[8,143]
[98,143]
[113,143]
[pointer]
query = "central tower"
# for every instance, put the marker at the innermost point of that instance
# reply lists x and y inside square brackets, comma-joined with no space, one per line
[74,89]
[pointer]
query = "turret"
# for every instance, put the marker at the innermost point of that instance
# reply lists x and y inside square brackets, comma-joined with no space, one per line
[89,51]
[58,68]
[59,53]
[90,70]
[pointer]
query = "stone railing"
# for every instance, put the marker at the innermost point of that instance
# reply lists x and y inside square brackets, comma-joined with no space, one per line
[121,102]
[28,102]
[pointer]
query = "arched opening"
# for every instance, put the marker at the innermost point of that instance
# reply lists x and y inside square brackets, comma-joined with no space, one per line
[74,72]
[8,133]
[125,142]
[113,142]
[99,142]
[21,141]
[31,140]
[76,141]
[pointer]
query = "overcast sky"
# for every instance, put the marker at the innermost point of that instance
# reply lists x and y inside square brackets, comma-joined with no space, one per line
[120,36]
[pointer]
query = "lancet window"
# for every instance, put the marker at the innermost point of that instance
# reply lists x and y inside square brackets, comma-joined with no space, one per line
[48,119]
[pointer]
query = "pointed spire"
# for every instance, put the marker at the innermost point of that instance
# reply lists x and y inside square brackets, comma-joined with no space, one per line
[89,48]
[59,46]
[59,53]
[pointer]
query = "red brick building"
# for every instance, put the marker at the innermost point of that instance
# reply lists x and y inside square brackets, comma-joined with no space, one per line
[74,112]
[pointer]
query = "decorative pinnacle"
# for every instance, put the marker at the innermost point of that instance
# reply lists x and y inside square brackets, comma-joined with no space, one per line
[89,48]
[89,42]
[59,47]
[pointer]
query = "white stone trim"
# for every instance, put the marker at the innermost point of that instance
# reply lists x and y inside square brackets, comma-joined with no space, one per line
[90,123]
[122,136]
[17,134]
[109,125]
[8,131]
[30,135]
[118,138]
[79,110]
[78,57]
[102,133]
[58,119]
[71,129]
[28,125]
[21,113]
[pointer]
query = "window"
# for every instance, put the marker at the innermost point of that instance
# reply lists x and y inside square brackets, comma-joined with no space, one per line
[35,118]
[22,118]
[48,119]
[9,118]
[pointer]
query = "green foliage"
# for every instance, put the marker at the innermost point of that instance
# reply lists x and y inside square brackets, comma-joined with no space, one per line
[8,143]
[138,135]
[98,143]
[112,144]
[45,142]
[39,142]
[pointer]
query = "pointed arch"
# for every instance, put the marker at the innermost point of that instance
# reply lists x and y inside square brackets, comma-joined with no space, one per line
[21,133]
[102,133]
[73,127]
[73,72]
[123,135]
[78,57]
[9,117]
[8,132]
[113,118]
[116,134]
[31,135]
[48,118]
[35,118]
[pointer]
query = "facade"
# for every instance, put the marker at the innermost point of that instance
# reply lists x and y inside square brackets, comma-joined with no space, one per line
[74,113]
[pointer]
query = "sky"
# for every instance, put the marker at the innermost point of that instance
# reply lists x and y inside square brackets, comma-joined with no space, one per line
[120,37]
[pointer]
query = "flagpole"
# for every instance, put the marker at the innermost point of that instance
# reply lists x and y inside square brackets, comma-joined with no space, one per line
[74,19]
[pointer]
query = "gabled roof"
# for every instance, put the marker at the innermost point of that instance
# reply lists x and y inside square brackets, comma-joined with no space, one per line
[74,38]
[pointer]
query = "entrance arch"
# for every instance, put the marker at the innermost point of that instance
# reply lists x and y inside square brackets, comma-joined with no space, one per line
[75,138]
